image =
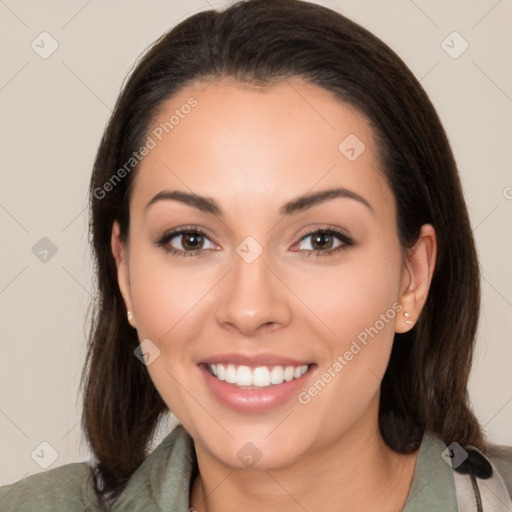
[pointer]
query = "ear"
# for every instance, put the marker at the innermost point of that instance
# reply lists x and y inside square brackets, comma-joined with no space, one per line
[417,271]
[120,253]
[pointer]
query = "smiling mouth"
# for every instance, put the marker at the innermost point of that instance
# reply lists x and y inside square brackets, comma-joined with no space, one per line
[258,377]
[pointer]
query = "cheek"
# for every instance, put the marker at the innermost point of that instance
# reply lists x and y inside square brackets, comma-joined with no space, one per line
[164,295]
[351,297]
[167,298]
[359,308]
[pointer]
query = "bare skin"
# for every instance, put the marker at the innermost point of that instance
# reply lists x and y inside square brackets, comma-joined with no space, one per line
[251,151]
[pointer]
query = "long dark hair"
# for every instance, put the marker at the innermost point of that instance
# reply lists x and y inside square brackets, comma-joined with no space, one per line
[264,42]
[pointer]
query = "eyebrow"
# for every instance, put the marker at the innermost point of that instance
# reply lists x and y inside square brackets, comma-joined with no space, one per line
[296,205]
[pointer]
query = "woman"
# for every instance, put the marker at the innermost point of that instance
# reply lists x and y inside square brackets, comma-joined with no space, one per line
[284,261]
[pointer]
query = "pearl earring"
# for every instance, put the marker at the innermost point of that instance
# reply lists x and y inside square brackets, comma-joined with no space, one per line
[130,317]
[408,317]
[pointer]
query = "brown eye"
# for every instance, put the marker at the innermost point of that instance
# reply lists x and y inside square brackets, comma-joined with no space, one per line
[322,241]
[325,240]
[183,241]
[191,241]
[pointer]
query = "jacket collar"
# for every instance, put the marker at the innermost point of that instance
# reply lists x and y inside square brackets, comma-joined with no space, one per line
[163,480]
[433,485]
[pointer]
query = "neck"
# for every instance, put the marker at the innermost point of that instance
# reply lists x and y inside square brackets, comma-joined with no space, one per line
[356,472]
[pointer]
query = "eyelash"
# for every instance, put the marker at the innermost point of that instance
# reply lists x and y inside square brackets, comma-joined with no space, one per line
[345,240]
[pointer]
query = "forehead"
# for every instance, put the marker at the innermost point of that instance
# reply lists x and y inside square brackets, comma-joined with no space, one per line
[245,144]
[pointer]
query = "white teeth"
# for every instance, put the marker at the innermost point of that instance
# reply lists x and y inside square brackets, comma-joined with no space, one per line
[260,376]
[277,375]
[220,371]
[230,374]
[244,376]
[288,373]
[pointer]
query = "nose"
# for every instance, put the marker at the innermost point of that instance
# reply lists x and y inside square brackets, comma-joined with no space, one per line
[252,298]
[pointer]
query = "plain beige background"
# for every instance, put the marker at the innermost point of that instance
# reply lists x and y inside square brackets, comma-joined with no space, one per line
[53,112]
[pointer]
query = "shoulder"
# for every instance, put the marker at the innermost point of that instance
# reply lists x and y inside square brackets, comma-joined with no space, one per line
[501,458]
[434,486]
[67,487]
[162,480]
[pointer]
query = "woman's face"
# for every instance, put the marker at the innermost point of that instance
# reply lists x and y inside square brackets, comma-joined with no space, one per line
[271,273]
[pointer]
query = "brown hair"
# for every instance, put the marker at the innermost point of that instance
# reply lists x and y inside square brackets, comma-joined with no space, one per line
[263,42]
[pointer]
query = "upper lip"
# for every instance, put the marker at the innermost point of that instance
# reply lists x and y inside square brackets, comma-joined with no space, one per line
[254,360]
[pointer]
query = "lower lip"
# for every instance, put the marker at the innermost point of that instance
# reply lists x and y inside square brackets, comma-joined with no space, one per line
[254,400]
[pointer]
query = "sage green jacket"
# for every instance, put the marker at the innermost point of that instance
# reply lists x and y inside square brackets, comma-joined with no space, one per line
[162,482]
